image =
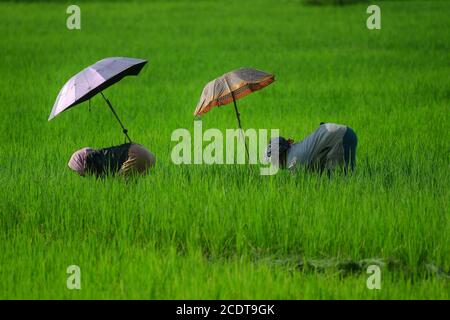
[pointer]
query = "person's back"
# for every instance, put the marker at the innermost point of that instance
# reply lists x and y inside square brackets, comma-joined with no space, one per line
[124,159]
[107,160]
[328,146]
[322,149]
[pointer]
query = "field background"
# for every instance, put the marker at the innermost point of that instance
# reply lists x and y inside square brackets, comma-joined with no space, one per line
[195,232]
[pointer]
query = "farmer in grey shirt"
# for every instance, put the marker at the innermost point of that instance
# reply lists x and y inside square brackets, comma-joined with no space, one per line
[329,146]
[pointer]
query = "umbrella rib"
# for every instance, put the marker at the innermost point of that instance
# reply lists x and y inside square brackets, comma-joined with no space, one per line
[87,81]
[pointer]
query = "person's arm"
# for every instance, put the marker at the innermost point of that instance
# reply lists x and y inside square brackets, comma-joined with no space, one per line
[292,164]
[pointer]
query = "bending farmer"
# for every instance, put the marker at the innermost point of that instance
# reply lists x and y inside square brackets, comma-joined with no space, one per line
[329,146]
[125,159]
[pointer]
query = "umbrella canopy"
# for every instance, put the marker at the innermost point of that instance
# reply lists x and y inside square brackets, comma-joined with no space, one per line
[232,86]
[93,80]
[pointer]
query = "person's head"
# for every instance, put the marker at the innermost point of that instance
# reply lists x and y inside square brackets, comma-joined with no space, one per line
[77,161]
[277,149]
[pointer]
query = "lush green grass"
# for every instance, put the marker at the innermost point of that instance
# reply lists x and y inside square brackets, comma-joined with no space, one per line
[226,231]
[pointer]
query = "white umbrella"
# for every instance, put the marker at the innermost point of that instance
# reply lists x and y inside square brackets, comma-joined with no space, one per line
[93,80]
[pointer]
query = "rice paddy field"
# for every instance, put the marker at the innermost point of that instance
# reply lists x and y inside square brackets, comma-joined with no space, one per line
[225,231]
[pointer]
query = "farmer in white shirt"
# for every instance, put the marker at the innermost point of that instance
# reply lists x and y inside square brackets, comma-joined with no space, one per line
[331,145]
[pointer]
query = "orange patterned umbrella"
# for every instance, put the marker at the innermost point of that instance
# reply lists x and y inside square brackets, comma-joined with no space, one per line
[230,87]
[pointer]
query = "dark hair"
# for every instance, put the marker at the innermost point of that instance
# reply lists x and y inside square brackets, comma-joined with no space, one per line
[277,148]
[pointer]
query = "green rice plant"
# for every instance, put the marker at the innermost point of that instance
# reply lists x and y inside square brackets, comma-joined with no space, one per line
[223,231]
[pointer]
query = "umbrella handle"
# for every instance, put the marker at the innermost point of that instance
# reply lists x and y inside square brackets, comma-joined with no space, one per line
[238,115]
[124,130]
[238,118]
